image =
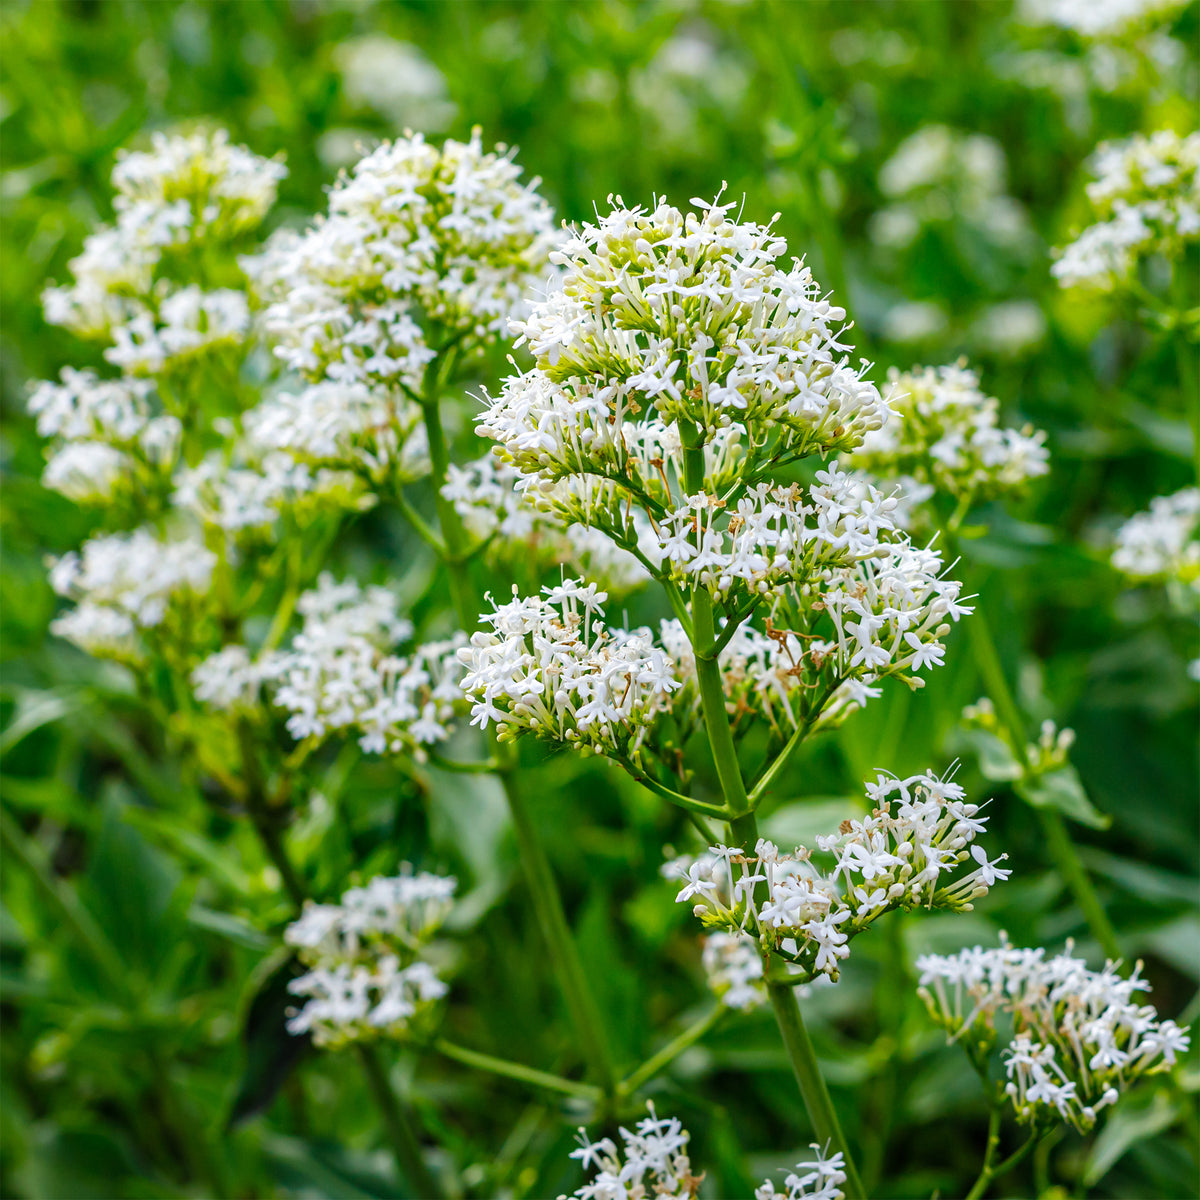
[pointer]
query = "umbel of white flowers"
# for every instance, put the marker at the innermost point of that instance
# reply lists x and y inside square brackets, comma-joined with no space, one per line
[903,855]
[343,673]
[365,976]
[653,1161]
[1162,545]
[1079,1036]
[1146,198]
[949,440]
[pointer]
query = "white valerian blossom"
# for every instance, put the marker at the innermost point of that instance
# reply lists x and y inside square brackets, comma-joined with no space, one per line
[667,321]
[365,975]
[819,1178]
[229,680]
[490,498]
[367,429]
[1162,545]
[395,79]
[734,970]
[904,855]
[416,239]
[651,1161]
[342,672]
[553,666]
[124,583]
[108,441]
[187,191]
[949,438]
[1097,18]
[1146,201]
[1079,1037]
[939,174]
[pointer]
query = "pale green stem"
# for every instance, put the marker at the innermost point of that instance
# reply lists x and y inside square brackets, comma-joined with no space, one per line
[989,1153]
[517,1071]
[670,1052]
[989,1173]
[564,954]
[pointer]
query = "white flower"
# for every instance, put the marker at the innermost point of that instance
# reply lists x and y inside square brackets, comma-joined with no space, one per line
[449,236]
[820,1178]
[733,966]
[356,984]
[1162,544]
[652,1161]
[1080,1037]
[1146,198]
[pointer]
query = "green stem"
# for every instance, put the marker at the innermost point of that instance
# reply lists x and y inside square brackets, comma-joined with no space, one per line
[990,1173]
[671,1051]
[518,1071]
[812,1087]
[404,1144]
[1058,838]
[989,1153]
[585,1015]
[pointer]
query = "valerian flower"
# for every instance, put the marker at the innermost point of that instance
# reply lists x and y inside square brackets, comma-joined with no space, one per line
[1162,545]
[904,855]
[818,1178]
[1079,1036]
[366,977]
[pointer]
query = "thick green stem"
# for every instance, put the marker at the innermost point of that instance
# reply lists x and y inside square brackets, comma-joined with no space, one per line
[405,1147]
[671,1051]
[517,1071]
[1058,838]
[812,1087]
[585,1015]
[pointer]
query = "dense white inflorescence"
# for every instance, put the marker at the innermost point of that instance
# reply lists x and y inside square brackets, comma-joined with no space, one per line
[123,584]
[1146,199]
[1163,544]
[421,249]
[651,1161]
[342,673]
[554,667]
[903,855]
[365,977]
[184,194]
[948,439]
[1079,1036]
[819,1178]
[734,970]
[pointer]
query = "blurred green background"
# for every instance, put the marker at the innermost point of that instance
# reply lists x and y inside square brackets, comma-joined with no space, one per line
[798,106]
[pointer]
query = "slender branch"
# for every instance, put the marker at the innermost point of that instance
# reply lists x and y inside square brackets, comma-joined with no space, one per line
[420,525]
[517,1071]
[989,1153]
[404,1144]
[671,1051]
[989,1173]
[487,766]
[812,1086]
[701,807]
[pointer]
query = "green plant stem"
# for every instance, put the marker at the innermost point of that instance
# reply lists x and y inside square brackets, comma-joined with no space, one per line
[548,907]
[989,1172]
[517,1071]
[812,1085]
[1058,838]
[671,1051]
[404,1144]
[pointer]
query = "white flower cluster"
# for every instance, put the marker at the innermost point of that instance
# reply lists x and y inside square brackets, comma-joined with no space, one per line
[365,978]
[902,856]
[489,497]
[1079,1036]
[415,237]
[948,439]
[107,440]
[186,191]
[819,1178]
[667,318]
[344,426]
[238,497]
[342,673]
[1097,18]
[939,174]
[124,584]
[553,666]
[652,1161]
[1146,198]
[733,966]
[1163,544]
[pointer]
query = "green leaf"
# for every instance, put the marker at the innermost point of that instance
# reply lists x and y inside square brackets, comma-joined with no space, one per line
[1062,789]
[996,760]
